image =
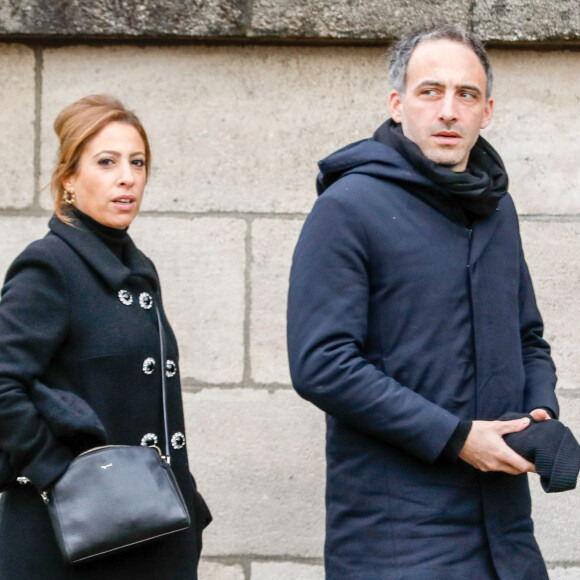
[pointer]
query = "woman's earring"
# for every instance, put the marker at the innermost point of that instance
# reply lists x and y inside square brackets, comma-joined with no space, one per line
[69,196]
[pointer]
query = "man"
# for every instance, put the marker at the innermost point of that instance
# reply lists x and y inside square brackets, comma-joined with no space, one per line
[412,323]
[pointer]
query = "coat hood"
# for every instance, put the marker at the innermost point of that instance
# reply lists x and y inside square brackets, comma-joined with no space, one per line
[368,157]
[462,196]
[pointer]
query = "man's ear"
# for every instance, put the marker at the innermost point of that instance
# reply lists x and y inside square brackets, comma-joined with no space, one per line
[488,114]
[396,106]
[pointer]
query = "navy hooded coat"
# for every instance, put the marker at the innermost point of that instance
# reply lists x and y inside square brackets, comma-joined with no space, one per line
[401,323]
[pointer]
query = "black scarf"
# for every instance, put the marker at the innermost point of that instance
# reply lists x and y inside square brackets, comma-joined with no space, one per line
[461,196]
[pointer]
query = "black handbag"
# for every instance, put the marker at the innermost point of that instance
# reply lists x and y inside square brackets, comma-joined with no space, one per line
[114,497]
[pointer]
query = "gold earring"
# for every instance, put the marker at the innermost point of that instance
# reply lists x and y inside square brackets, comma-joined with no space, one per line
[68,196]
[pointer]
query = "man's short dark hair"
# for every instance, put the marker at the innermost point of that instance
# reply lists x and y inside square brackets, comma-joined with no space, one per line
[402,50]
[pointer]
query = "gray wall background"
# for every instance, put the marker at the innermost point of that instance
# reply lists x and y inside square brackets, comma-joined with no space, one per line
[240,100]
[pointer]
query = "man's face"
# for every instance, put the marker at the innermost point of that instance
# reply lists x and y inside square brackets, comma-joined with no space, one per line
[445,104]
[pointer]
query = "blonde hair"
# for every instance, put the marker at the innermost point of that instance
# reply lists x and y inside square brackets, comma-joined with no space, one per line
[75,126]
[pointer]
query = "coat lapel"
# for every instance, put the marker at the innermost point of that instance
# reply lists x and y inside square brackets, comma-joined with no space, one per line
[96,254]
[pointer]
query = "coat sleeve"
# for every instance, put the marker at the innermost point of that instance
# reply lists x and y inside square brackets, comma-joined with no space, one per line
[539,368]
[328,307]
[33,323]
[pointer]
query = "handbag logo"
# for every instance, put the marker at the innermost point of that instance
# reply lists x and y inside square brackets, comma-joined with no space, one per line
[106,466]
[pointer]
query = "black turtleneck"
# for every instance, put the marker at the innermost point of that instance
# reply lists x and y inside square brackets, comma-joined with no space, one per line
[116,240]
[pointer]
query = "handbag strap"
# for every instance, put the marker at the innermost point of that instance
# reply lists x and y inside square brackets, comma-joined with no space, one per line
[163,383]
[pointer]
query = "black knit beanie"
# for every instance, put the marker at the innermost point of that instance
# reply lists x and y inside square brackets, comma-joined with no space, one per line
[551,447]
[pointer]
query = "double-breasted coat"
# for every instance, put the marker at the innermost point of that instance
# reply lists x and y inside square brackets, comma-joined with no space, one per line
[75,317]
[401,323]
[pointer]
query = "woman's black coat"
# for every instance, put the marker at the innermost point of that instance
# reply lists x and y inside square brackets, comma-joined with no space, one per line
[77,319]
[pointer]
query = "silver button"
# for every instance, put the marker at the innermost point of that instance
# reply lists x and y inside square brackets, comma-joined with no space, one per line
[170,368]
[178,440]
[125,297]
[145,300]
[149,439]
[149,365]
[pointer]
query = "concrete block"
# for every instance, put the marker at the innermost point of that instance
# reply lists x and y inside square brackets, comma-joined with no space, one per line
[273,244]
[565,573]
[372,19]
[232,128]
[201,263]
[286,571]
[526,20]
[535,127]
[17,110]
[551,250]
[16,233]
[258,459]
[557,525]
[155,18]
[214,571]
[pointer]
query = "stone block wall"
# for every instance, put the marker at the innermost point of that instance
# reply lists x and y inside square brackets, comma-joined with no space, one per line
[236,130]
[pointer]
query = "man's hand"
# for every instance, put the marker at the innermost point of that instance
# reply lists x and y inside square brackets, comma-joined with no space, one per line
[486,450]
[540,414]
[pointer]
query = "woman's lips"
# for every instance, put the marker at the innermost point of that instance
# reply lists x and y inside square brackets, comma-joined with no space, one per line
[124,201]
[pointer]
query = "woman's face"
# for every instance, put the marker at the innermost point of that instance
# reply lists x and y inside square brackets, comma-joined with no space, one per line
[109,182]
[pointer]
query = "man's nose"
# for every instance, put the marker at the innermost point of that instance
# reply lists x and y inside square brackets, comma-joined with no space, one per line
[448,108]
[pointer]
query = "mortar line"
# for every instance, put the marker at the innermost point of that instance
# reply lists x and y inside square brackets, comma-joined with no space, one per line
[247,371]
[232,559]
[471,14]
[196,387]
[232,214]
[568,393]
[250,38]
[551,564]
[192,385]
[558,218]
[248,559]
[245,215]
[38,70]
[248,16]
[33,212]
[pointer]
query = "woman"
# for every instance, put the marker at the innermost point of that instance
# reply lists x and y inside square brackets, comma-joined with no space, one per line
[77,314]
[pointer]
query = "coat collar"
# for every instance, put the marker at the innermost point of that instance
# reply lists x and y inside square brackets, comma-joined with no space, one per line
[96,254]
